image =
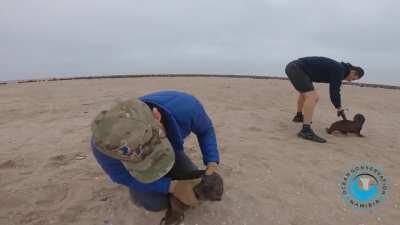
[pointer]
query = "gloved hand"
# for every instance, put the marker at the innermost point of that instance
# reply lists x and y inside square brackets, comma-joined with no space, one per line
[211,168]
[183,190]
[340,113]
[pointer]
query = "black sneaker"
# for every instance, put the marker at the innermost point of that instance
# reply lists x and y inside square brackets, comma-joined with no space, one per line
[310,135]
[298,118]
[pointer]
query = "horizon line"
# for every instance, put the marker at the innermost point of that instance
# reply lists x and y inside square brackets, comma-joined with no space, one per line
[116,76]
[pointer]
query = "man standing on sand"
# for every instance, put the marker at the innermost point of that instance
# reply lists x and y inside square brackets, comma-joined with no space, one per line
[139,144]
[302,72]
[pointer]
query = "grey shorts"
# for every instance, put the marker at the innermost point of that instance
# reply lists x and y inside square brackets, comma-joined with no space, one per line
[300,80]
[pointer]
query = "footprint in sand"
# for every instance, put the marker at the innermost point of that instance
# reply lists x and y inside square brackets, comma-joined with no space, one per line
[104,194]
[59,160]
[9,164]
[68,131]
[255,129]
[256,116]
[71,215]
[51,194]
[34,217]
[64,159]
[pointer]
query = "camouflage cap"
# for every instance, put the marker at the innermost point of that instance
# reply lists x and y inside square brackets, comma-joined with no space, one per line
[129,132]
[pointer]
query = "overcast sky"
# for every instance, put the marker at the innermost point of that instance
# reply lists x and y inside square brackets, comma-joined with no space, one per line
[48,38]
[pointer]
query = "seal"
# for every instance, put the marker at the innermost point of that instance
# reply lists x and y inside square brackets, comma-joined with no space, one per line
[348,126]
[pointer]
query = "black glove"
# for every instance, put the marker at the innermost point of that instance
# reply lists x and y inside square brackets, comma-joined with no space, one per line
[340,113]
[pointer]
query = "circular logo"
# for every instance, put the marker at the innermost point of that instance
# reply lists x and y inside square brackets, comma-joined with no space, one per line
[364,186]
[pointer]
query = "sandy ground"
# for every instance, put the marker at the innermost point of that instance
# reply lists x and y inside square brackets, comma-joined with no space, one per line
[49,176]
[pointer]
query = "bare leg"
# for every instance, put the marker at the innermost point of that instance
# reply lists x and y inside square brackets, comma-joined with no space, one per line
[300,102]
[299,118]
[311,99]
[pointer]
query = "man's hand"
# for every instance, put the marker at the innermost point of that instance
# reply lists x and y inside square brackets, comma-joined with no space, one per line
[211,168]
[340,113]
[183,190]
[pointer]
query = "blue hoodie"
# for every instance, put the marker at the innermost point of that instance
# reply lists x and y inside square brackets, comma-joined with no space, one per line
[182,114]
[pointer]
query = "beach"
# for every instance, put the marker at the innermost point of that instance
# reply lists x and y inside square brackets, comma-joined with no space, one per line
[48,174]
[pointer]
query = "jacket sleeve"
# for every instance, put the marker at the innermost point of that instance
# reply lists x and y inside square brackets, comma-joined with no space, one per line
[204,130]
[119,174]
[334,92]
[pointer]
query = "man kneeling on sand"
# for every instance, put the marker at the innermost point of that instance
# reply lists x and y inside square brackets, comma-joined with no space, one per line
[139,144]
[302,72]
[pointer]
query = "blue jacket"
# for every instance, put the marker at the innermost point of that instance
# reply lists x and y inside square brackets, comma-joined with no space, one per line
[326,70]
[183,114]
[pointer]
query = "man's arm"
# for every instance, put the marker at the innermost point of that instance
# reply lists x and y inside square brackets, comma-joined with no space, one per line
[334,92]
[119,174]
[204,130]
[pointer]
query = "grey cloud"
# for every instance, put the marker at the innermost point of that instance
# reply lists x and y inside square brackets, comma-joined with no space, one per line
[63,38]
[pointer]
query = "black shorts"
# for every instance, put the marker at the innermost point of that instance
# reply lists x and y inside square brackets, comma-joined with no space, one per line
[300,80]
